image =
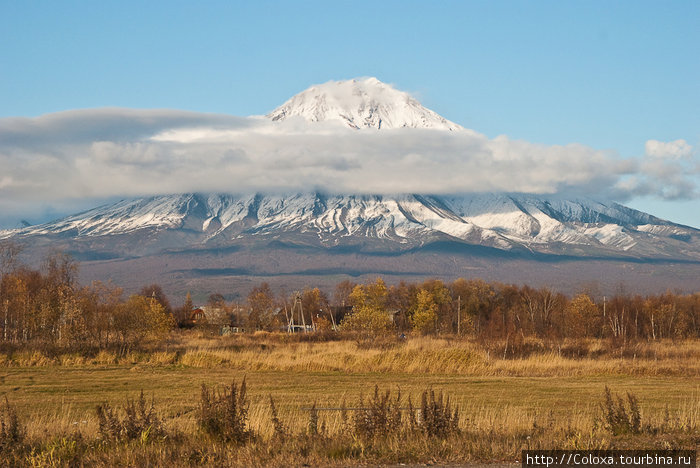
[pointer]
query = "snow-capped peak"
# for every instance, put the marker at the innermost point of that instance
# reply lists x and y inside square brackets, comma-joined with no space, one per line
[361,103]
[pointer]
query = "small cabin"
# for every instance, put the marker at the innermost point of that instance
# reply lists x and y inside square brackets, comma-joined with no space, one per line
[196,316]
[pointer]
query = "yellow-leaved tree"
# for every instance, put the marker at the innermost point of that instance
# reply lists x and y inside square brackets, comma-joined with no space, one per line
[369,312]
[582,317]
[424,316]
[142,318]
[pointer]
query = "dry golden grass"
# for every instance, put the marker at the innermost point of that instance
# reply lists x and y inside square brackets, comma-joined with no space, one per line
[542,399]
[268,352]
[487,433]
[440,356]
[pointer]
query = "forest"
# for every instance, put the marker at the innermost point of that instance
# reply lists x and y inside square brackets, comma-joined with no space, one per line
[47,306]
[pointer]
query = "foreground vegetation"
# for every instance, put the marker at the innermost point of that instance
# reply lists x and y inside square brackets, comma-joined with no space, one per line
[408,373]
[228,430]
[539,399]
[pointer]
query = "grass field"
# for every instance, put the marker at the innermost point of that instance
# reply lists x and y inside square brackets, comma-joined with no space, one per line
[541,400]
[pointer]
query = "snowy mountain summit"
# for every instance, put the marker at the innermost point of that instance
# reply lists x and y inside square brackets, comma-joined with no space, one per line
[359,104]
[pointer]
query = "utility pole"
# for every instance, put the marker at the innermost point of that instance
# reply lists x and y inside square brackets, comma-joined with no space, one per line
[330,312]
[603,306]
[297,300]
[459,315]
[4,328]
[290,319]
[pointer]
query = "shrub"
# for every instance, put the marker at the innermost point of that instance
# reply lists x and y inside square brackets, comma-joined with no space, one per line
[381,416]
[313,427]
[619,418]
[224,414]
[280,432]
[140,421]
[63,450]
[109,423]
[11,432]
[436,416]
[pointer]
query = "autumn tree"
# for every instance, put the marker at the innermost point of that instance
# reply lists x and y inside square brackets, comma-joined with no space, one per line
[156,291]
[104,300]
[689,317]
[15,306]
[425,313]
[541,306]
[581,317]
[141,318]
[369,312]
[402,299]
[184,312]
[476,300]
[315,305]
[218,312]
[446,314]
[9,256]
[341,296]
[261,304]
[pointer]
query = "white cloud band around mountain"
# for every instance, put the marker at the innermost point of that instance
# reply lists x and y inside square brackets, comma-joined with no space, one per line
[123,152]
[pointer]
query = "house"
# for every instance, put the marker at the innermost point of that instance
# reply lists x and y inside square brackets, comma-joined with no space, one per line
[197,316]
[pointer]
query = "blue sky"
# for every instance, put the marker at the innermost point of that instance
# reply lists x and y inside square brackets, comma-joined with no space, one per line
[609,75]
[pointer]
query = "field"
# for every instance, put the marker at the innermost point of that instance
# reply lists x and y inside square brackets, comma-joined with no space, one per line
[549,397]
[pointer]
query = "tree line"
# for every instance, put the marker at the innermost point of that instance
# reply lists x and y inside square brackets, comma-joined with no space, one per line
[47,305]
[475,308]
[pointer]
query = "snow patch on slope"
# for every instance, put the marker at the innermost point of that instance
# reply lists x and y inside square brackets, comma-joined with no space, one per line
[502,221]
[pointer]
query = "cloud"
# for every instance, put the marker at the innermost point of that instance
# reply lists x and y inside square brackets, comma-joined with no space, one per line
[106,153]
[668,171]
[678,149]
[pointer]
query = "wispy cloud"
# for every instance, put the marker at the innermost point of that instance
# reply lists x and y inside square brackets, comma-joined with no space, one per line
[104,153]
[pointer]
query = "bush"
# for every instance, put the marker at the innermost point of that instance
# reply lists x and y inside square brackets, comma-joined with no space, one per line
[140,422]
[313,427]
[11,432]
[381,416]
[277,425]
[619,419]
[436,416]
[224,414]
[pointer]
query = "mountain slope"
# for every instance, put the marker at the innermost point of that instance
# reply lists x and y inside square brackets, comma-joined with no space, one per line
[508,222]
